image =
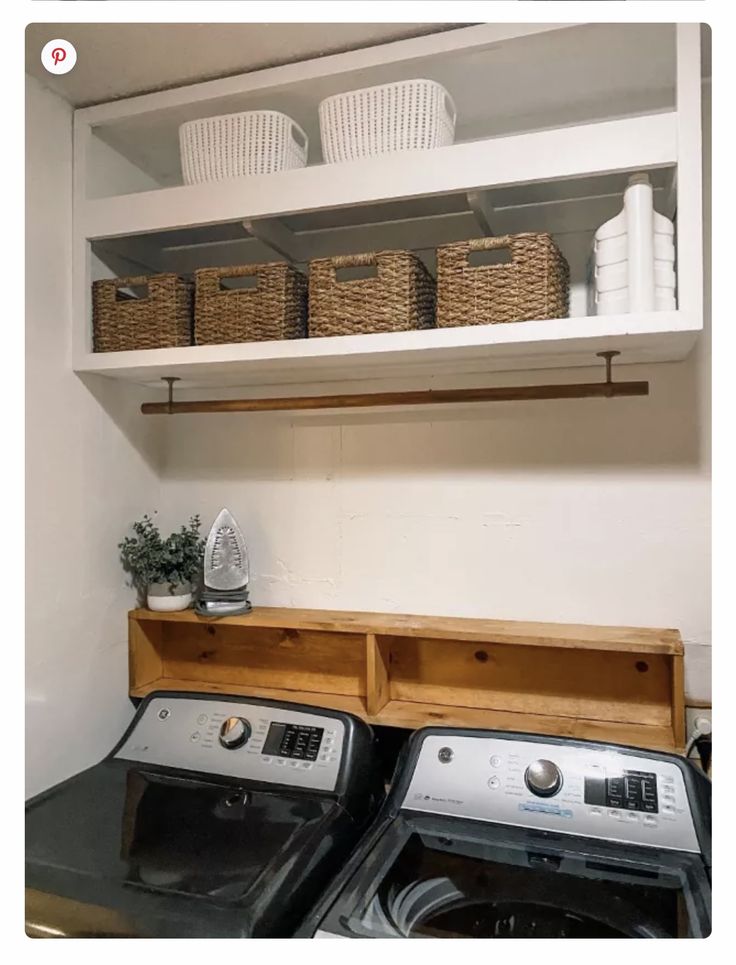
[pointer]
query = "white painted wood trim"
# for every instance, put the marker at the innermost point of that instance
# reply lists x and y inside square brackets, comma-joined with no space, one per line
[690,170]
[81,335]
[554,343]
[422,233]
[270,231]
[482,211]
[630,144]
[400,51]
[634,143]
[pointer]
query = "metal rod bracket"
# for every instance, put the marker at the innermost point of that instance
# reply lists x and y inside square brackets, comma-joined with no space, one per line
[170,379]
[609,356]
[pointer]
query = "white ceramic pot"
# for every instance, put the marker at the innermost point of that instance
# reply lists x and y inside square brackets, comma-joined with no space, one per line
[164,598]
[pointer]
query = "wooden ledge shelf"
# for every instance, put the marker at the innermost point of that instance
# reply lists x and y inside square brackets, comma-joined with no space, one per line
[622,684]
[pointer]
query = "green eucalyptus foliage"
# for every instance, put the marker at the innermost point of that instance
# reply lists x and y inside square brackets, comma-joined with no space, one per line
[150,559]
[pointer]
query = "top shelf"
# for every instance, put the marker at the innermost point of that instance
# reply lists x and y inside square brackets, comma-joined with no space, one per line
[505,79]
[630,144]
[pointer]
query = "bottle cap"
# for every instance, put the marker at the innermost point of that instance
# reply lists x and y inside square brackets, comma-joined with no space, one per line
[639,179]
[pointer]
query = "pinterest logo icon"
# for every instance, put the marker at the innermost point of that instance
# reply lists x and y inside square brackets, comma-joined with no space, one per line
[58,56]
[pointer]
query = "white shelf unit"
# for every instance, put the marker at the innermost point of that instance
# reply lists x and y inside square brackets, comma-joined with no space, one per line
[552,120]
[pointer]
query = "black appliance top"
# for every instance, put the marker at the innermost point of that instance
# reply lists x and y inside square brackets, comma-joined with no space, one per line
[441,861]
[180,854]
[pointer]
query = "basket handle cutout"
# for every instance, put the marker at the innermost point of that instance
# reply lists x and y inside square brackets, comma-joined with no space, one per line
[503,244]
[298,135]
[450,107]
[131,290]
[490,258]
[355,273]
[367,259]
[239,283]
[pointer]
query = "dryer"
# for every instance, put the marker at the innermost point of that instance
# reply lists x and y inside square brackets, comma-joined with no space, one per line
[488,834]
[213,817]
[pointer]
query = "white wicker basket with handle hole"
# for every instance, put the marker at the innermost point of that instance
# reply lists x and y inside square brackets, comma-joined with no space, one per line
[240,145]
[409,115]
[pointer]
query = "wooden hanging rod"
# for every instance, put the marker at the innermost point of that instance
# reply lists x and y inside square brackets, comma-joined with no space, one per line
[582,390]
[592,390]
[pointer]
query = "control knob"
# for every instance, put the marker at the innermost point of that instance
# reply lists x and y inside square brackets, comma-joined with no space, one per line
[543,778]
[234,732]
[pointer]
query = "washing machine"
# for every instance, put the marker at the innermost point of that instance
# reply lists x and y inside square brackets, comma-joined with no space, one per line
[490,834]
[213,817]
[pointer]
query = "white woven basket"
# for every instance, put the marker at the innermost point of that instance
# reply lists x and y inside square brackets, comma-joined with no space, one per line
[410,115]
[238,145]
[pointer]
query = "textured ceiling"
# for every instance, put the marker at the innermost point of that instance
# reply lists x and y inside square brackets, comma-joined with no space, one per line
[120,60]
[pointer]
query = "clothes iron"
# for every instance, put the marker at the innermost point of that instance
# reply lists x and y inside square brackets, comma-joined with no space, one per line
[225,585]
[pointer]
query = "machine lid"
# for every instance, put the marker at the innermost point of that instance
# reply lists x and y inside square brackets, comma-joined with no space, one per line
[448,878]
[143,842]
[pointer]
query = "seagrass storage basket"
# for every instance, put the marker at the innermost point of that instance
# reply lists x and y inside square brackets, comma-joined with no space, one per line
[533,284]
[400,295]
[273,308]
[160,318]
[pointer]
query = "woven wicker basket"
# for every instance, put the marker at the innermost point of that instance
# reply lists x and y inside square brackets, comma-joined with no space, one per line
[400,296]
[406,115]
[276,308]
[161,319]
[238,145]
[534,284]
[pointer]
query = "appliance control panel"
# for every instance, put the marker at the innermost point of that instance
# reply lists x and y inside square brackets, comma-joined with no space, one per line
[597,793]
[251,741]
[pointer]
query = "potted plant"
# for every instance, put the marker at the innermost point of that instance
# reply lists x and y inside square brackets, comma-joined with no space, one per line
[163,570]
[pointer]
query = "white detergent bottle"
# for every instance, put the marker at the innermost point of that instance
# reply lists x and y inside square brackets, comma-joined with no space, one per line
[633,264]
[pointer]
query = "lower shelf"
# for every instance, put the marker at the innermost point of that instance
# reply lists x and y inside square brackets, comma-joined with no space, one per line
[412,715]
[350,705]
[475,349]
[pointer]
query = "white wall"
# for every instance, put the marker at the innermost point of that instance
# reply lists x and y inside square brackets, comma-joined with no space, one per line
[595,511]
[91,468]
